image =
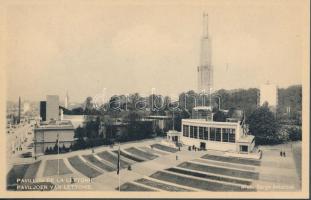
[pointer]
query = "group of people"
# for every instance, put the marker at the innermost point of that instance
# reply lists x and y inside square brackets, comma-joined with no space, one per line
[282,154]
[194,148]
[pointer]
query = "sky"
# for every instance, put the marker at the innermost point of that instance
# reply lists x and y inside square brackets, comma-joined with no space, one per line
[87,47]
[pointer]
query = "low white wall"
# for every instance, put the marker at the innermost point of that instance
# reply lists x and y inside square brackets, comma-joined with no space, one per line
[64,135]
[221,146]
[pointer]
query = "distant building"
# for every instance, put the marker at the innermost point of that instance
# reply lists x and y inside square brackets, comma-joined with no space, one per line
[52,107]
[236,116]
[202,112]
[26,107]
[222,136]
[174,136]
[269,94]
[43,110]
[76,120]
[161,122]
[48,134]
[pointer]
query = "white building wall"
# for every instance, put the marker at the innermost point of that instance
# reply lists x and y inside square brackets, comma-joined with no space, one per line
[215,145]
[47,138]
[64,135]
[76,120]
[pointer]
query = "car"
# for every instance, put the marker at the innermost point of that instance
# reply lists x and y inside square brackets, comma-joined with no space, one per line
[27,154]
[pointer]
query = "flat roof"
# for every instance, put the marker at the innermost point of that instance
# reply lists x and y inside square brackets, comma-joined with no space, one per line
[159,117]
[203,108]
[246,139]
[204,121]
[56,125]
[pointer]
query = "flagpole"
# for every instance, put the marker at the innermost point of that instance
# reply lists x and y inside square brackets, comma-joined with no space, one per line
[119,168]
[57,153]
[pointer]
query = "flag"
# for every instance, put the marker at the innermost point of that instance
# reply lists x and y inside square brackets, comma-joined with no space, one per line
[242,123]
[118,165]
[242,120]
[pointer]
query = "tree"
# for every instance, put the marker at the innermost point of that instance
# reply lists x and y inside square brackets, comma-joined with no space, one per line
[89,106]
[219,117]
[263,125]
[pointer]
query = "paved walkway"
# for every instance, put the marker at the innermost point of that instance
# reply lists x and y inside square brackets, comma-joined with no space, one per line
[277,173]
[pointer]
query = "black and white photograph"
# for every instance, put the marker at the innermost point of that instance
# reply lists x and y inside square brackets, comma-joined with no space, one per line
[148,98]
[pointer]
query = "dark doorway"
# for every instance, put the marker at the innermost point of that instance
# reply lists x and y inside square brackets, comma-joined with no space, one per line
[202,145]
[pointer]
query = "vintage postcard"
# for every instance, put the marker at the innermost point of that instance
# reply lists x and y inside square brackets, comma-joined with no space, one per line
[184,99]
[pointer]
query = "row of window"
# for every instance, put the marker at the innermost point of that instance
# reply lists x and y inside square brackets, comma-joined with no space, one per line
[209,133]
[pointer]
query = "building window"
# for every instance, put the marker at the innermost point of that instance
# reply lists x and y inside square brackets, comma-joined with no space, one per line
[218,134]
[225,135]
[243,148]
[191,131]
[195,132]
[186,131]
[213,134]
[205,137]
[231,135]
[201,131]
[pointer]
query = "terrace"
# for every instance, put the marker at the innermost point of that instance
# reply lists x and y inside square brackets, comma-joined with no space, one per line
[16,172]
[161,186]
[105,155]
[236,160]
[220,170]
[82,167]
[141,153]
[23,171]
[133,187]
[209,176]
[164,148]
[90,158]
[177,171]
[153,151]
[194,182]
[51,168]
[130,156]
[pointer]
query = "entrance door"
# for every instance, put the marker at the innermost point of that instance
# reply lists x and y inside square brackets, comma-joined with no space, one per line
[202,145]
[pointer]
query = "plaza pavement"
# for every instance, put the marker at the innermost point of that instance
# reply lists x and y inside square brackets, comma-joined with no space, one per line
[275,172]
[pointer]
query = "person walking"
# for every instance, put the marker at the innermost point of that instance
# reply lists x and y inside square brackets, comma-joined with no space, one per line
[176,157]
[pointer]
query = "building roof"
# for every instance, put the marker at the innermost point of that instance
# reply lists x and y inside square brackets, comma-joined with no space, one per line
[208,108]
[173,133]
[246,139]
[56,125]
[204,121]
[158,117]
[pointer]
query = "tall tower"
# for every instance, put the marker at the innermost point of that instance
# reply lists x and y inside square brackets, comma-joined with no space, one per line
[205,69]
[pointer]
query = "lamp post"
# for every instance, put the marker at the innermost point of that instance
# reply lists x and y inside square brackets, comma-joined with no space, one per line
[218,101]
[57,153]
